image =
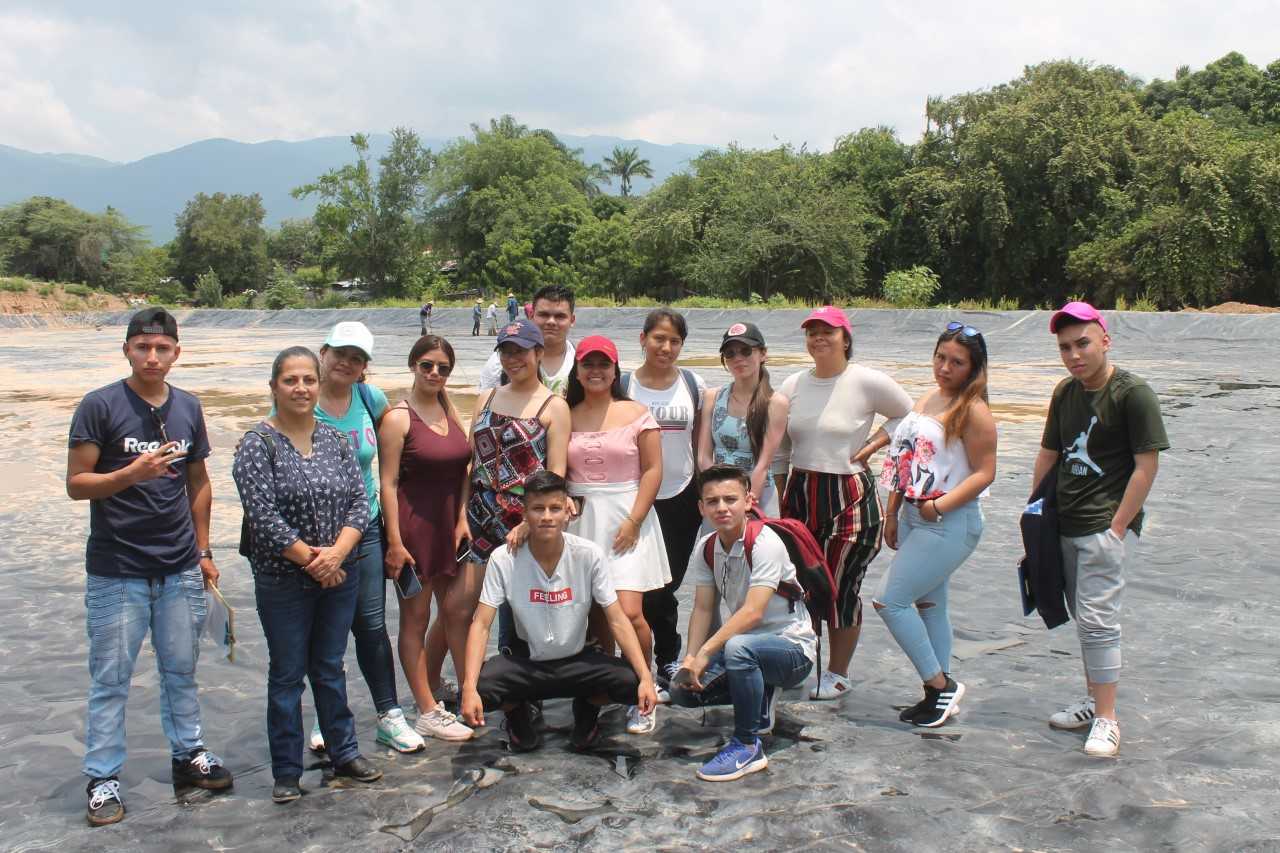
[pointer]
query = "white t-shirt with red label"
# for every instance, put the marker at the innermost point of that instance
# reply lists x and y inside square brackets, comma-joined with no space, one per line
[550,610]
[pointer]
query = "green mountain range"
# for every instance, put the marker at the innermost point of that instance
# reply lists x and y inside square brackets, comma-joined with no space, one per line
[152,191]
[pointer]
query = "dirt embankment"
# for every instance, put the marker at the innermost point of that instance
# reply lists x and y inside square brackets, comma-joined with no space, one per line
[1235,308]
[57,301]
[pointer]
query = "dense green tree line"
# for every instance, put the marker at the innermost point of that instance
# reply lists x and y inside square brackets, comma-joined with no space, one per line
[1071,180]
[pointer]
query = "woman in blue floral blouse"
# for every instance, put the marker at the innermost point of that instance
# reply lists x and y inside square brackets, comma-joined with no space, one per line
[306,507]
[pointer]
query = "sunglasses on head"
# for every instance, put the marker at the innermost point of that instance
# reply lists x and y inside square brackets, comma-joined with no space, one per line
[441,367]
[968,332]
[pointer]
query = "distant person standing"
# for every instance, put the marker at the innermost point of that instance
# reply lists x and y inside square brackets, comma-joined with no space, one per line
[492,316]
[1104,432]
[477,311]
[136,453]
[425,316]
[513,307]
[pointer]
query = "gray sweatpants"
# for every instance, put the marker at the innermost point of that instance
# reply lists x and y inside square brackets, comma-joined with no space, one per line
[1093,567]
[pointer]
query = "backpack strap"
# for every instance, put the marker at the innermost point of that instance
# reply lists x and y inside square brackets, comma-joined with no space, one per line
[691,382]
[366,398]
[625,382]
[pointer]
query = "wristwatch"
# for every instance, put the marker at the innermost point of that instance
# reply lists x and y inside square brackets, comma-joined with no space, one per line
[206,554]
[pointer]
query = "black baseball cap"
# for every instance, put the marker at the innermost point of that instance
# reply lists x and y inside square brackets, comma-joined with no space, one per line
[152,321]
[746,333]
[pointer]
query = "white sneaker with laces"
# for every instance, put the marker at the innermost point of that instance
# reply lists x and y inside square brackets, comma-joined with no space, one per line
[316,741]
[1077,716]
[442,725]
[394,731]
[1104,738]
[641,724]
[830,686]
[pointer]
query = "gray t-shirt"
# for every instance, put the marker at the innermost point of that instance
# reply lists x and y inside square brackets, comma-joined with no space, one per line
[550,611]
[770,566]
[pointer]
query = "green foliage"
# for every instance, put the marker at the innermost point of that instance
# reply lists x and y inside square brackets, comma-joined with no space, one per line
[47,290]
[81,290]
[50,239]
[312,279]
[14,285]
[370,226]
[333,299]
[282,291]
[145,270]
[296,243]
[239,300]
[208,290]
[170,291]
[223,233]
[625,164]
[911,288]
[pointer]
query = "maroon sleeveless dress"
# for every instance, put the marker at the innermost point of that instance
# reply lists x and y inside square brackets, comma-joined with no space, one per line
[433,468]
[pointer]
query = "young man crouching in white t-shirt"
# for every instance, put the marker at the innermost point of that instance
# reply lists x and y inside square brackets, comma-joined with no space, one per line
[766,645]
[550,583]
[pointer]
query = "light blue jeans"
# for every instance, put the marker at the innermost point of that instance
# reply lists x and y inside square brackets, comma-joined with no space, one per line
[119,613]
[912,598]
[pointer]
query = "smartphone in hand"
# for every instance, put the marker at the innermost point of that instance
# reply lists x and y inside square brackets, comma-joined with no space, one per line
[464,551]
[407,583]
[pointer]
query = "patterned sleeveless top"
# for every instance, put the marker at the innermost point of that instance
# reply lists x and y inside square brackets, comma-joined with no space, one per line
[507,449]
[730,440]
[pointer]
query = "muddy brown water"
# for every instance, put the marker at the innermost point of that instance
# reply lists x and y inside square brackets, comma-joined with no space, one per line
[1200,721]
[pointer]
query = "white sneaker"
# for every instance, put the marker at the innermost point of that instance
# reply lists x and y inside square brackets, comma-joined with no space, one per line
[394,731]
[1104,738]
[1077,716]
[830,686]
[641,724]
[442,725]
[316,741]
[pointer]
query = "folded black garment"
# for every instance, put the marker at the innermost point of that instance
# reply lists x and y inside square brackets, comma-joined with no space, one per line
[1040,581]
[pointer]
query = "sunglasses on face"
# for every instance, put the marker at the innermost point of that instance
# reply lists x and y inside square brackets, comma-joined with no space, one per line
[441,367]
[736,352]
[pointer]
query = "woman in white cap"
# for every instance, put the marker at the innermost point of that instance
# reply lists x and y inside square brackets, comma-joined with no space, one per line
[832,407]
[355,408]
[748,419]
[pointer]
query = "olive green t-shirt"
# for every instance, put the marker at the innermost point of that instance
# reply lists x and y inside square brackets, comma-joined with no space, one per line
[1097,434]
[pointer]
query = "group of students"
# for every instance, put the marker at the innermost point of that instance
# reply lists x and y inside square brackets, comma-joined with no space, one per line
[571,511]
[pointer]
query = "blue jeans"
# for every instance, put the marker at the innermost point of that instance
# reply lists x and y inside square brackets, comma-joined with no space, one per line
[373,646]
[914,589]
[740,674]
[119,611]
[306,631]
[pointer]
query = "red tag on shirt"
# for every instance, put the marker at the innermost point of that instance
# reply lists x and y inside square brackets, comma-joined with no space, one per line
[555,596]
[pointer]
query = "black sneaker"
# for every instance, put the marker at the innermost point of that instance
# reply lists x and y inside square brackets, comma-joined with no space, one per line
[944,703]
[666,672]
[917,709]
[286,790]
[105,805]
[360,769]
[201,769]
[521,733]
[586,725]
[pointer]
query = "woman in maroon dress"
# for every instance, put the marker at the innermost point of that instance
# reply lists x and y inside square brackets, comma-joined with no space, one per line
[423,459]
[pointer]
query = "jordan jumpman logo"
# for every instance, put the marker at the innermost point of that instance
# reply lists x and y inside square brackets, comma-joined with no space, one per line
[1079,449]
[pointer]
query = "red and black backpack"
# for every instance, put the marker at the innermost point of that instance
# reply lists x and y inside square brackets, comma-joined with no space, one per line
[817,585]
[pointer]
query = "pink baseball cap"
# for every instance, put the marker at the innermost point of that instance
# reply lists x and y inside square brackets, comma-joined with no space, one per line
[831,315]
[1080,311]
[596,343]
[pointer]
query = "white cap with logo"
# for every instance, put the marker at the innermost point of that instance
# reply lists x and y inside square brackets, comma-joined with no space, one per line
[352,333]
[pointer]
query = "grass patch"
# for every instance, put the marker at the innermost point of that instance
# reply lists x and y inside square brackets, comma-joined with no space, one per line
[14,285]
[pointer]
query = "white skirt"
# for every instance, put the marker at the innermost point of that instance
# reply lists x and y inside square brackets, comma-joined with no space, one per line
[604,507]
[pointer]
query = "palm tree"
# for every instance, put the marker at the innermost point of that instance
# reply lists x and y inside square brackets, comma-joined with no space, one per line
[627,163]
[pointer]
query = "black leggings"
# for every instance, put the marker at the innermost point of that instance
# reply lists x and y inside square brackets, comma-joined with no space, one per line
[507,679]
[679,518]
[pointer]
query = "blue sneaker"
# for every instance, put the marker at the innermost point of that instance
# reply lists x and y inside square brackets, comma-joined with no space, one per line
[734,761]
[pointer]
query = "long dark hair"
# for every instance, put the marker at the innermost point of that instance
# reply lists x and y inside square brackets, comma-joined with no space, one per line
[675,318]
[955,420]
[574,393]
[421,347]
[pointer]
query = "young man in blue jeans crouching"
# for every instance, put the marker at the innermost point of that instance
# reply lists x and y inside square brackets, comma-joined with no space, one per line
[766,645]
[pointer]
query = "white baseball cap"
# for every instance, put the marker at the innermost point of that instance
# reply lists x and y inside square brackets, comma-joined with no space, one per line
[352,333]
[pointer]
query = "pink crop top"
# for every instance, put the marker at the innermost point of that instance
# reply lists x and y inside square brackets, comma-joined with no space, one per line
[610,456]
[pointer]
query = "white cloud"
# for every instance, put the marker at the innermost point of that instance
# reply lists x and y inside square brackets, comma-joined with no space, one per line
[126,80]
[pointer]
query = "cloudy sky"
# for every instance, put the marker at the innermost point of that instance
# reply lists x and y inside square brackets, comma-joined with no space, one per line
[122,80]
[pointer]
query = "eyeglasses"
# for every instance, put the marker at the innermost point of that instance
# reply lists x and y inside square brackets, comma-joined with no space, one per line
[441,367]
[736,352]
[159,422]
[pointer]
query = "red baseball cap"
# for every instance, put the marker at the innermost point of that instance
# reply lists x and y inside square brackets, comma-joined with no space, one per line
[831,315]
[596,343]
[1081,312]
